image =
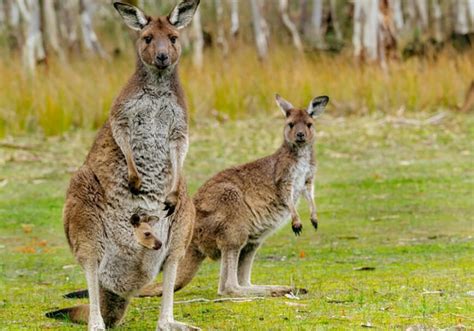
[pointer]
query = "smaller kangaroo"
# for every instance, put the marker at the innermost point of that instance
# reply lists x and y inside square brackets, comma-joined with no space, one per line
[237,209]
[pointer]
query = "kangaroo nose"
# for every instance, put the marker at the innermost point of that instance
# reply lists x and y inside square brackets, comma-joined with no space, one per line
[162,57]
[300,135]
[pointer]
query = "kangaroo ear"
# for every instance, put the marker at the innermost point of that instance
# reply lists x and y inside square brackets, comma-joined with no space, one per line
[183,13]
[284,105]
[317,106]
[132,16]
[135,220]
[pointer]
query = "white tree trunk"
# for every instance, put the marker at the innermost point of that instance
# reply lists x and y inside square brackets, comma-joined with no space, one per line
[69,22]
[51,26]
[33,50]
[221,39]
[234,18]
[396,7]
[366,26]
[316,34]
[436,14]
[91,42]
[198,39]
[464,16]
[422,13]
[260,29]
[290,25]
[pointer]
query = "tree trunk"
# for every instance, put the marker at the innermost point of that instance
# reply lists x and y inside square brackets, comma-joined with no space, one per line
[316,34]
[51,27]
[366,29]
[436,15]
[91,42]
[290,25]
[464,16]
[198,39]
[234,18]
[396,7]
[33,51]
[259,26]
[221,40]
[12,22]
[68,20]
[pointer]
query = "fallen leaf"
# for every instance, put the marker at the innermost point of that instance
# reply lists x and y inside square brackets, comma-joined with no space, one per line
[42,243]
[302,254]
[27,228]
[26,249]
[364,269]
[348,237]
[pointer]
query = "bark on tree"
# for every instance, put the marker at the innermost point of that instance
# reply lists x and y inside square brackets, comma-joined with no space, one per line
[198,39]
[290,25]
[259,28]
[12,22]
[91,42]
[51,27]
[221,39]
[317,33]
[464,16]
[436,16]
[366,29]
[33,51]
[234,18]
[68,20]
[396,7]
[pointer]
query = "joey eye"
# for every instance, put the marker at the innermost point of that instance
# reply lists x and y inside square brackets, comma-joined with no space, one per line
[291,125]
[173,39]
[309,125]
[147,234]
[148,39]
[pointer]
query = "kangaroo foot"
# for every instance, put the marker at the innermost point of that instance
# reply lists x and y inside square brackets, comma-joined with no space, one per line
[314,221]
[297,228]
[151,290]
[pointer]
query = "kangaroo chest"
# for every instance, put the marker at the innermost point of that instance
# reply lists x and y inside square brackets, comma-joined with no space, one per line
[276,212]
[154,119]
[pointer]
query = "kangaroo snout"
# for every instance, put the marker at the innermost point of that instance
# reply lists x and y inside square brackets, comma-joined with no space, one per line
[157,245]
[162,60]
[300,136]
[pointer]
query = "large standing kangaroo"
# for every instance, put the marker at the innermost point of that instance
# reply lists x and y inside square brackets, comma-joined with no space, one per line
[134,166]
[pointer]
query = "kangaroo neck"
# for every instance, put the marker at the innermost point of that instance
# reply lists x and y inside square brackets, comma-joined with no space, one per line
[151,77]
[293,151]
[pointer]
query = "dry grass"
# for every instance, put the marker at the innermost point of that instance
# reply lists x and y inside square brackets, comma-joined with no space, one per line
[79,93]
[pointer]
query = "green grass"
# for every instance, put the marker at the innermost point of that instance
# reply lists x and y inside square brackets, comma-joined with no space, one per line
[398,198]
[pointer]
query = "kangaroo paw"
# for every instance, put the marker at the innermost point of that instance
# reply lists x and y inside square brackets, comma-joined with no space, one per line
[134,184]
[297,228]
[170,203]
[314,221]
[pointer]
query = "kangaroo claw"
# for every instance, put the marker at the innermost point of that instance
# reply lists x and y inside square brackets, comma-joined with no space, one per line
[170,203]
[314,221]
[297,228]
[134,184]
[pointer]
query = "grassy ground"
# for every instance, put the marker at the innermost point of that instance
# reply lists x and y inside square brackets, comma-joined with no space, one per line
[397,198]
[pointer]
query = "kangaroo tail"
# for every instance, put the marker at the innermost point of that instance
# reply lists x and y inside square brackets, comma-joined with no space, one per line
[77,314]
[81,294]
[187,269]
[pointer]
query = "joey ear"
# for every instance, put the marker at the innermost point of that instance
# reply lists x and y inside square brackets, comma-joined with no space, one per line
[132,16]
[284,105]
[135,220]
[183,13]
[317,106]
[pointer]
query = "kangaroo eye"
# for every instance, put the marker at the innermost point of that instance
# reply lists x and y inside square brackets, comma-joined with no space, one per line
[147,234]
[173,39]
[309,125]
[148,39]
[291,125]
